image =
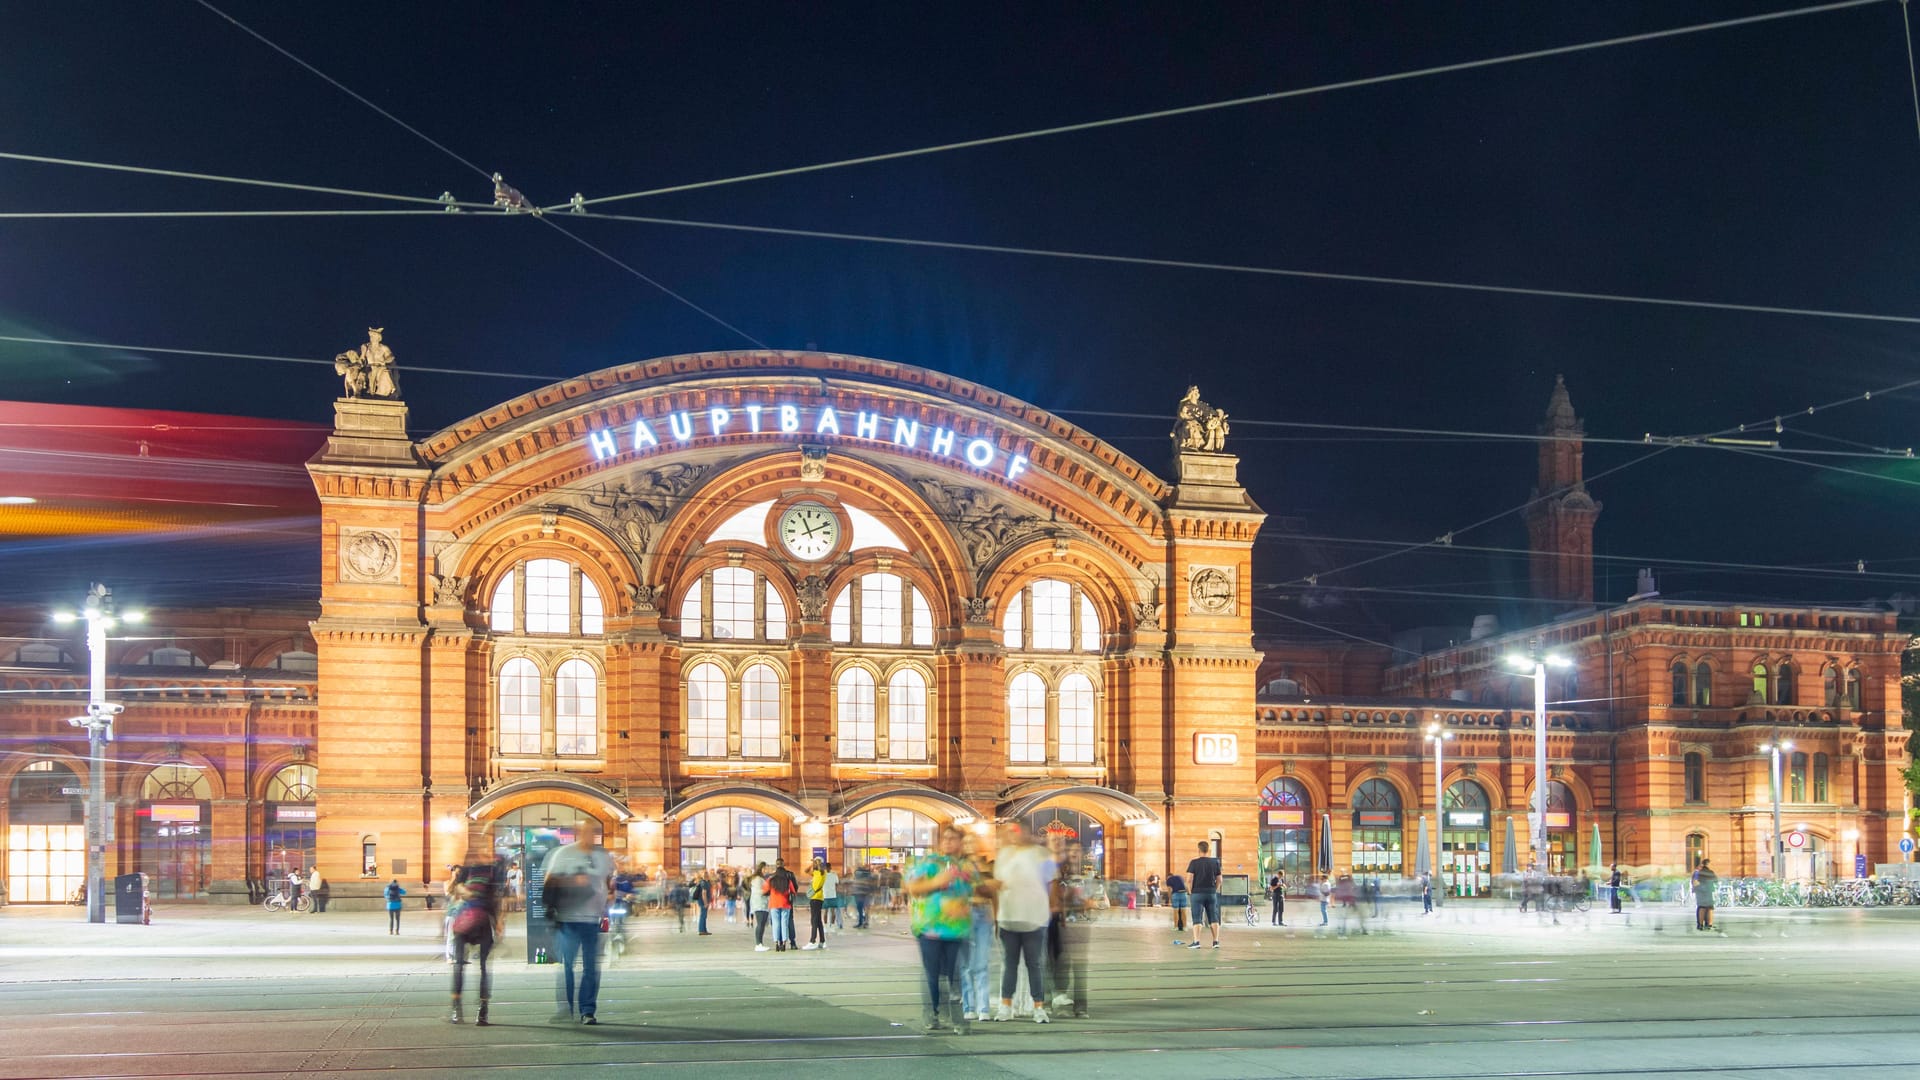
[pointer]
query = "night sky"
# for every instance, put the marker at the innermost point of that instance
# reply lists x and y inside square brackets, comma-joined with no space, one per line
[1770,164]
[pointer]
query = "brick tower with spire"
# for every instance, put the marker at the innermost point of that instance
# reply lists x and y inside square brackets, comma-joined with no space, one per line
[1561,516]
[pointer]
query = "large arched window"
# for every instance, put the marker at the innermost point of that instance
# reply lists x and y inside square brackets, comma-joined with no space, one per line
[519,707]
[1027,719]
[1702,684]
[1695,773]
[760,712]
[1076,720]
[1377,847]
[907,716]
[1783,683]
[881,609]
[1286,831]
[1679,673]
[576,713]
[733,603]
[1760,682]
[1830,686]
[184,783]
[1050,615]
[706,699]
[855,713]
[293,784]
[546,596]
[1853,689]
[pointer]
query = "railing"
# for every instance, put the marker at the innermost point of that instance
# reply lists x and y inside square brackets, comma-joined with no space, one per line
[1850,892]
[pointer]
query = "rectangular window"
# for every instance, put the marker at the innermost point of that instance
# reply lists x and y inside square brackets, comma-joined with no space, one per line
[760,713]
[1820,771]
[519,707]
[576,723]
[1052,621]
[880,609]
[732,603]
[1696,778]
[547,596]
[690,612]
[1027,716]
[907,717]
[1797,778]
[1076,720]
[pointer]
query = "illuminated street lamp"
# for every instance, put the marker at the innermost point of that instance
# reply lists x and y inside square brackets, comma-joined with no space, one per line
[1776,748]
[1438,736]
[1533,665]
[98,611]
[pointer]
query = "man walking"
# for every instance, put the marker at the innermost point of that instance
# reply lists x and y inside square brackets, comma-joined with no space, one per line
[578,878]
[1613,886]
[1203,880]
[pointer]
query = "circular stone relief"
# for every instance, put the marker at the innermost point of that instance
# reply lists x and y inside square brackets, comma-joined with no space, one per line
[370,555]
[1212,590]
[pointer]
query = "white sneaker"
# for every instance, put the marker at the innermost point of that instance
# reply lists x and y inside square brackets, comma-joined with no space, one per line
[761,948]
[1002,1013]
[1040,1015]
[808,947]
[1062,1001]
[970,1016]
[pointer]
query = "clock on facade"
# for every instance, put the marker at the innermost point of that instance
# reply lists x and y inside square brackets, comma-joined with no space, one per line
[809,531]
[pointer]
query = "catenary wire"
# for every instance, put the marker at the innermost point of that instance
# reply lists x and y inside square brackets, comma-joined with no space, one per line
[22,340]
[1230,103]
[343,88]
[1913,79]
[41,159]
[1264,271]
[71,215]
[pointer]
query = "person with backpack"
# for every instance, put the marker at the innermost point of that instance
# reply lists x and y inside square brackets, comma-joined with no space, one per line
[476,923]
[781,888]
[393,893]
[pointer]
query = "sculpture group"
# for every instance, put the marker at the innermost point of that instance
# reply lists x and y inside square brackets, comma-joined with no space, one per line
[1199,426]
[368,370]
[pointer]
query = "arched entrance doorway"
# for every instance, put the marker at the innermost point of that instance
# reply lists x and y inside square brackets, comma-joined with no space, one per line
[889,837]
[523,837]
[291,819]
[1378,847]
[1466,841]
[1066,832]
[1286,831]
[729,837]
[1563,845]
[176,835]
[46,834]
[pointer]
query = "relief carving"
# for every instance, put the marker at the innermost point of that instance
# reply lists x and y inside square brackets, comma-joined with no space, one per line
[449,590]
[812,593]
[980,609]
[986,526]
[1146,615]
[644,597]
[634,510]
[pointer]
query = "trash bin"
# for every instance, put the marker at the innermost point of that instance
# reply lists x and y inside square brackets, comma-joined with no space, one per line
[129,898]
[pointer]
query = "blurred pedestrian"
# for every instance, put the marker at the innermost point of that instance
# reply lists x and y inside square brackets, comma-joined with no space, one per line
[976,995]
[678,897]
[1179,898]
[1704,883]
[477,923]
[861,886]
[730,885]
[830,897]
[702,897]
[1426,894]
[1024,874]
[1613,888]
[941,886]
[1277,892]
[1153,890]
[1344,891]
[393,893]
[578,878]
[816,905]
[781,888]
[1203,881]
[1323,890]
[318,890]
[1075,892]
[756,890]
[294,885]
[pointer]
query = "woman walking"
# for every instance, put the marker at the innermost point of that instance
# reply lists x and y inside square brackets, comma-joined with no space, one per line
[757,907]
[941,886]
[477,923]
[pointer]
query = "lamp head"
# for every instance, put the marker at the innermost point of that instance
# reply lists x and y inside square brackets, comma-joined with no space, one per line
[1519,662]
[134,616]
[1556,660]
[64,618]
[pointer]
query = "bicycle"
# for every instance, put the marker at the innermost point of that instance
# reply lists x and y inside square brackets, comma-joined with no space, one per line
[278,902]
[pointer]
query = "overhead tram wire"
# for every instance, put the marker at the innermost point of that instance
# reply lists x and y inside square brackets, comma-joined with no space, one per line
[1238,102]
[82,215]
[437,145]
[1913,78]
[22,340]
[178,174]
[1263,271]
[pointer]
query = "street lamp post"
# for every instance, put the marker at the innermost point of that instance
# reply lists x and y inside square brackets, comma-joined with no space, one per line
[1534,665]
[98,611]
[1438,736]
[1776,748]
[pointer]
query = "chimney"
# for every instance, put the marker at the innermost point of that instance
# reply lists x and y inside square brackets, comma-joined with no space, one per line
[1644,587]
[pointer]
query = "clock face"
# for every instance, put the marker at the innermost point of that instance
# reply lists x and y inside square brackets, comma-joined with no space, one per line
[809,531]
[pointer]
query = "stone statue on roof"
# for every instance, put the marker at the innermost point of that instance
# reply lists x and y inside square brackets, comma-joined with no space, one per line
[1199,426]
[368,371]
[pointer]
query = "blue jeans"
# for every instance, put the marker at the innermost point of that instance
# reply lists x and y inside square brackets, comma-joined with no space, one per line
[703,917]
[783,926]
[941,958]
[859,910]
[580,940]
[975,995]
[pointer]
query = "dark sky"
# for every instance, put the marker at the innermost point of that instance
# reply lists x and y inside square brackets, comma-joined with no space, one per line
[1772,164]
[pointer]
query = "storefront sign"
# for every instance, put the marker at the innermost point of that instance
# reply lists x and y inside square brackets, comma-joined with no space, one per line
[1467,819]
[1216,748]
[825,422]
[1287,818]
[1377,819]
[176,812]
[1559,819]
[296,813]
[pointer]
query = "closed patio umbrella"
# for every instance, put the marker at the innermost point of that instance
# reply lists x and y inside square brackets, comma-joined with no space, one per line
[1593,848]
[1326,843]
[1509,856]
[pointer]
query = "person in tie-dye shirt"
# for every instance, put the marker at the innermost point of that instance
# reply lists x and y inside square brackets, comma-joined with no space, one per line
[942,886]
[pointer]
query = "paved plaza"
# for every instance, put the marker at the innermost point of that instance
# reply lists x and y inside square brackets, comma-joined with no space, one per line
[1477,990]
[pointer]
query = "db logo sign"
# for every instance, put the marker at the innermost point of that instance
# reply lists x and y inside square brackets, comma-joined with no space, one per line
[1216,748]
